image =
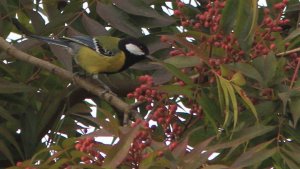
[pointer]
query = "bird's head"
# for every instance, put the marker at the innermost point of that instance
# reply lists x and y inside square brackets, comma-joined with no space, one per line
[133,48]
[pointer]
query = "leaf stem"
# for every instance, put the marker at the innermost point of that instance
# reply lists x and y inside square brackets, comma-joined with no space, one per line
[295,73]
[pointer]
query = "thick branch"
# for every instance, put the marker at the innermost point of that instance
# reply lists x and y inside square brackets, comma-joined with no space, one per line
[110,98]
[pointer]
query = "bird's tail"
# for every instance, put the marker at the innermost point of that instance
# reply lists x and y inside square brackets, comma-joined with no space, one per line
[59,42]
[25,31]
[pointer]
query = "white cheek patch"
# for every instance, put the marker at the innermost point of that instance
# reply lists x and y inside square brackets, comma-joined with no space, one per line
[134,49]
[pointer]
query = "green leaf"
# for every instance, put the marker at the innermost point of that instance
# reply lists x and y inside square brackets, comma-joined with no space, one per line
[180,150]
[136,7]
[293,35]
[36,19]
[233,102]
[93,27]
[294,105]
[59,163]
[221,96]
[243,136]
[225,72]
[284,96]
[246,23]
[229,15]
[229,95]
[225,95]
[238,79]
[7,116]
[7,87]
[41,152]
[10,138]
[149,161]
[293,155]
[5,28]
[216,166]
[188,161]
[290,163]
[176,72]
[210,109]
[60,19]
[271,63]
[248,70]
[6,152]
[182,61]
[246,100]
[254,155]
[113,122]
[177,90]
[69,142]
[117,19]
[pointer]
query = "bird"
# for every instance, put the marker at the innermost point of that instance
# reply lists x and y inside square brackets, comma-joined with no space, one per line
[101,54]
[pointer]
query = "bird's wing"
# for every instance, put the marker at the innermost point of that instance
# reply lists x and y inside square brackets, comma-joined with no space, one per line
[100,44]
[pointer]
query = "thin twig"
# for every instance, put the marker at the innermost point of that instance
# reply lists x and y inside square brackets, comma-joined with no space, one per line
[295,75]
[288,52]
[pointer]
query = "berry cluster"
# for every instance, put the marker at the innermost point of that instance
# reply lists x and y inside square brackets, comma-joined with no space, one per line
[137,150]
[269,26]
[164,111]
[211,18]
[88,145]
[145,92]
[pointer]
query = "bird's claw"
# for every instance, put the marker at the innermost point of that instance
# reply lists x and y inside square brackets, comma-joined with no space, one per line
[107,91]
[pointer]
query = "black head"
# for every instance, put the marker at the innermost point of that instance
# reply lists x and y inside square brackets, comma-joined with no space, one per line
[134,50]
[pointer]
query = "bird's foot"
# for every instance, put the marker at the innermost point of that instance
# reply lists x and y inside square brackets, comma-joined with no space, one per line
[107,91]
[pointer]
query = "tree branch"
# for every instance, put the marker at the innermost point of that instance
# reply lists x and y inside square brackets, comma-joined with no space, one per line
[288,52]
[90,87]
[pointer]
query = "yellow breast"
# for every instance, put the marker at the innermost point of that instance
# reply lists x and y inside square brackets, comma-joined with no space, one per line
[94,63]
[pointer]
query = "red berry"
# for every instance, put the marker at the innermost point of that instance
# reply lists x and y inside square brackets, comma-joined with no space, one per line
[180,4]
[175,52]
[266,11]
[197,25]
[177,12]
[173,107]
[272,46]
[77,146]
[181,83]
[201,17]
[217,44]
[19,164]
[191,53]
[267,20]
[130,95]
[286,21]
[206,24]
[172,145]
[168,120]
[286,45]
[164,38]
[160,120]
[160,153]
[279,6]
[185,23]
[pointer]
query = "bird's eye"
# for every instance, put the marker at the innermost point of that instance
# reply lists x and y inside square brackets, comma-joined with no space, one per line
[108,52]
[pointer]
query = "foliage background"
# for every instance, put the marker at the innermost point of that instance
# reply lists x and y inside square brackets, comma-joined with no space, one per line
[248,109]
